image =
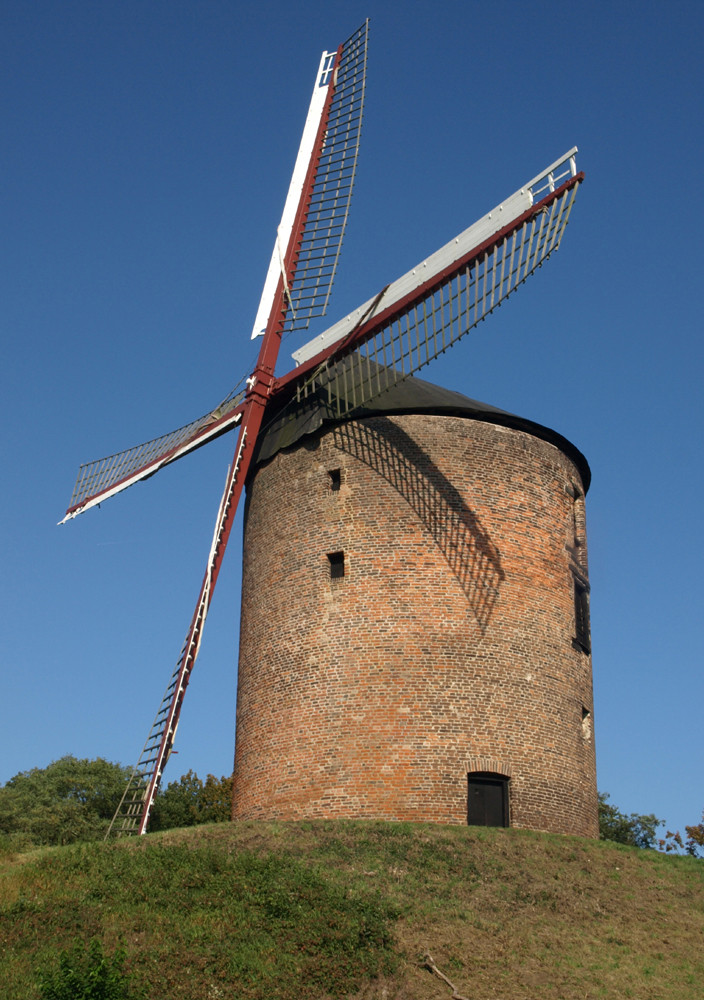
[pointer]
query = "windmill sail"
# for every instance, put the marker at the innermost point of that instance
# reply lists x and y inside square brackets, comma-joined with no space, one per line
[312,228]
[321,240]
[430,308]
[104,477]
[313,255]
[132,813]
[308,228]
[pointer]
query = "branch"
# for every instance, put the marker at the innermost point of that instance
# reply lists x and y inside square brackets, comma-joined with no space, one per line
[430,964]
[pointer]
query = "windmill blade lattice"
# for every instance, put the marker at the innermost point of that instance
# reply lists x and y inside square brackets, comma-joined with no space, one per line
[132,813]
[418,318]
[321,240]
[104,477]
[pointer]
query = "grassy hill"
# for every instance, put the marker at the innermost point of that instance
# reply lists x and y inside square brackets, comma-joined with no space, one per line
[346,909]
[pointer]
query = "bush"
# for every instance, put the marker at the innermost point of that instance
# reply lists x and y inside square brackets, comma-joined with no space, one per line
[73,801]
[87,974]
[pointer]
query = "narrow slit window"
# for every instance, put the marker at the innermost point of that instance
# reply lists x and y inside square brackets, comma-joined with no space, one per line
[337,565]
[586,723]
[581,616]
[334,479]
[577,528]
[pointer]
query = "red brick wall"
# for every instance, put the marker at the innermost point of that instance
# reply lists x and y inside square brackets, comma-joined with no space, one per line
[447,647]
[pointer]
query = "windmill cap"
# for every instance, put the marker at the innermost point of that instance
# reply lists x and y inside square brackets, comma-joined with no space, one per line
[294,421]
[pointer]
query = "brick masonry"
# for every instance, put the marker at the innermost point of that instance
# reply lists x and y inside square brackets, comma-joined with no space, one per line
[449,645]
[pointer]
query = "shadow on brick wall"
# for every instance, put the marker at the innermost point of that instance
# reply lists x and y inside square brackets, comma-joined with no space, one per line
[454,527]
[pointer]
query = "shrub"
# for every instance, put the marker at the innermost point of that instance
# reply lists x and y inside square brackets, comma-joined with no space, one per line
[87,974]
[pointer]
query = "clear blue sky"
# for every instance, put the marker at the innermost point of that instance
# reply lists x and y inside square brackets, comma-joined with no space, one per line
[147,148]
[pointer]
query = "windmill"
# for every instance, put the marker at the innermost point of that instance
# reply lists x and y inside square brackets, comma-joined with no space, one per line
[405,326]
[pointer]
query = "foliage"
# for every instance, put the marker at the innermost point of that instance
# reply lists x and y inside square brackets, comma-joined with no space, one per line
[70,800]
[177,805]
[692,845]
[86,974]
[216,800]
[634,830]
[190,801]
[74,800]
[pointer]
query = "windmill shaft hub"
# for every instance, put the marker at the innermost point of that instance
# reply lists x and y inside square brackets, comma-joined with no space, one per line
[260,385]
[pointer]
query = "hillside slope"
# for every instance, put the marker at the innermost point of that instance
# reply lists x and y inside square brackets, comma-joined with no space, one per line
[344,909]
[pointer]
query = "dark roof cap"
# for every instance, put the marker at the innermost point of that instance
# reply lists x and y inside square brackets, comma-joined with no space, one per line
[413,395]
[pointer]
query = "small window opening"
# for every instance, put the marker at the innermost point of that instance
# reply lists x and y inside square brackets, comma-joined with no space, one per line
[586,723]
[335,479]
[581,616]
[337,565]
[487,799]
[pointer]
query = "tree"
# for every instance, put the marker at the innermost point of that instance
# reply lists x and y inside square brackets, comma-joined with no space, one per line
[177,804]
[216,801]
[67,801]
[634,830]
[695,838]
[189,801]
[692,845]
[74,800]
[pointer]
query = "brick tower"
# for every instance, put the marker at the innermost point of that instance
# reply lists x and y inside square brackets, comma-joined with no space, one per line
[415,628]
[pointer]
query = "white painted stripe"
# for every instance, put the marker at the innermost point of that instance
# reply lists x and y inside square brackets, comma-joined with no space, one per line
[305,152]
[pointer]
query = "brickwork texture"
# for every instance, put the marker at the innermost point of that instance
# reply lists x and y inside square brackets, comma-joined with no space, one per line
[451,644]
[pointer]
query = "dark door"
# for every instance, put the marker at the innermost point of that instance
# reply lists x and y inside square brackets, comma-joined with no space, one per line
[487,801]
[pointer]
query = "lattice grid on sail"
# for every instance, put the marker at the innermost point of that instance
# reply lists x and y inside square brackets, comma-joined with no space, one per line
[128,814]
[132,814]
[330,201]
[415,335]
[102,475]
[141,788]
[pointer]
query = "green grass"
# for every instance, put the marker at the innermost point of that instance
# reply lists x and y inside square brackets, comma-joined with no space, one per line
[330,910]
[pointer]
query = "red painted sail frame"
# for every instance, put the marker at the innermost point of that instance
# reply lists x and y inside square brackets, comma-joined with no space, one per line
[134,812]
